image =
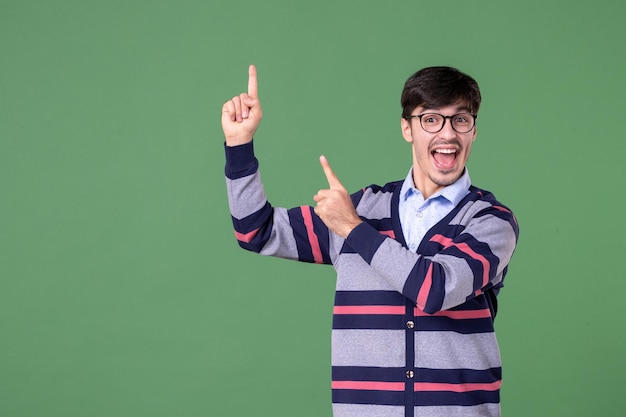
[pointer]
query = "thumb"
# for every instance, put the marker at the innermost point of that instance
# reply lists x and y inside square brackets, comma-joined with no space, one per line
[332,179]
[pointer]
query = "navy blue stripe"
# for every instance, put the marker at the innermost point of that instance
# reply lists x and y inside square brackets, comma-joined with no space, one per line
[504,215]
[420,398]
[445,376]
[446,324]
[475,303]
[301,235]
[425,324]
[429,247]
[437,292]
[447,398]
[368,298]
[358,242]
[367,373]
[476,265]
[384,224]
[368,321]
[365,240]
[458,376]
[368,397]
[255,220]
[395,217]
[410,336]
[240,161]
[305,252]
[415,279]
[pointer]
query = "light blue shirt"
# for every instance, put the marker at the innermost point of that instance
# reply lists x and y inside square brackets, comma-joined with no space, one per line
[418,216]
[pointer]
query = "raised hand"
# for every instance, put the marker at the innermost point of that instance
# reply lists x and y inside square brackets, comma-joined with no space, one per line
[242,114]
[334,205]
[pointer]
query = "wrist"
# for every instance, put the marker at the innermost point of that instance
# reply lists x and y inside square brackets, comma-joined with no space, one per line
[350,227]
[238,140]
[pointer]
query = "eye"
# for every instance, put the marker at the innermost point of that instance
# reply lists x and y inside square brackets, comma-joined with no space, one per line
[431,119]
[462,118]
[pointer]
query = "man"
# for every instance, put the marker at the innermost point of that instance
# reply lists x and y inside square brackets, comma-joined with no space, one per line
[419,261]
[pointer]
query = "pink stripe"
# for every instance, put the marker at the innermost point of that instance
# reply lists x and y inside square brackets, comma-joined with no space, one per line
[389,233]
[369,385]
[393,310]
[506,211]
[246,237]
[417,312]
[502,209]
[456,314]
[432,386]
[417,386]
[315,244]
[464,247]
[422,296]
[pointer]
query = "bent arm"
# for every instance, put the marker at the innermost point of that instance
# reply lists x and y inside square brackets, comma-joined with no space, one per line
[463,267]
[296,233]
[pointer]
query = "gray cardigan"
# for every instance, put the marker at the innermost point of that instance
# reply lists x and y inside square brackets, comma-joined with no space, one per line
[412,333]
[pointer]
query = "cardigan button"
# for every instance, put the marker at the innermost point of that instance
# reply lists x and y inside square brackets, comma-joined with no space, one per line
[410,374]
[410,324]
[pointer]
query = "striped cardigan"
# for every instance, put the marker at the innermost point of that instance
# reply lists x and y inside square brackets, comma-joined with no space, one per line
[413,333]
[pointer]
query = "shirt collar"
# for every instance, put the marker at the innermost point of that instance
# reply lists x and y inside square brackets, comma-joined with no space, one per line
[454,192]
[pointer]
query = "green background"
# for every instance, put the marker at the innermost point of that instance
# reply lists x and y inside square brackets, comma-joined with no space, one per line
[122,289]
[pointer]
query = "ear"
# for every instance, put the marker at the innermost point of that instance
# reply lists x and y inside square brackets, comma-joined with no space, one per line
[474,134]
[405,125]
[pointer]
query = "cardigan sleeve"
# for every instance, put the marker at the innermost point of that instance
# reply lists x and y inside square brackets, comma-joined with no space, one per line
[460,267]
[296,233]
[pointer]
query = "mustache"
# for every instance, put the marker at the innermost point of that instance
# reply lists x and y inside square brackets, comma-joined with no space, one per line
[454,142]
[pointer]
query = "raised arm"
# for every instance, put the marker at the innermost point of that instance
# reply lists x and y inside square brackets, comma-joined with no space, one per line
[295,233]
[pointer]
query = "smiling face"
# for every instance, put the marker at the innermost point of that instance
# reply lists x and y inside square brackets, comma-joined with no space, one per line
[438,158]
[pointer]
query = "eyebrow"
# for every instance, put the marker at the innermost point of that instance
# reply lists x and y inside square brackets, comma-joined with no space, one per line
[458,109]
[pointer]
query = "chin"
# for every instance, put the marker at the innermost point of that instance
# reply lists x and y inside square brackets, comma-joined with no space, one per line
[444,179]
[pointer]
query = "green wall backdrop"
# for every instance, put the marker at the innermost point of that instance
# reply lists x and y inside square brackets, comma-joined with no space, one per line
[122,290]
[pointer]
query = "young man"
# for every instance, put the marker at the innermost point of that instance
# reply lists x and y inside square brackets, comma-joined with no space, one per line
[419,261]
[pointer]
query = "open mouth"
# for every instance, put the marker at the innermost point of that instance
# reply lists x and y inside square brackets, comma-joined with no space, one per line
[444,158]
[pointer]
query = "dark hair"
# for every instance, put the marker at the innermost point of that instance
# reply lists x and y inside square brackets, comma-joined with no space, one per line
[435,87]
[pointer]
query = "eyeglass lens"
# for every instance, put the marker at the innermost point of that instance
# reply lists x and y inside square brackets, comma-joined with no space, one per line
[433,122]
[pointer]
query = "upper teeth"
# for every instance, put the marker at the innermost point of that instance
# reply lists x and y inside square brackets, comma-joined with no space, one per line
[445,150]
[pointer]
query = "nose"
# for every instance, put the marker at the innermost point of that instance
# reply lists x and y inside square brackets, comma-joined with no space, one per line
[447,131]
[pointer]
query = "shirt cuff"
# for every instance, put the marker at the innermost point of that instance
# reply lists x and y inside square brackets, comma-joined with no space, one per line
[365,240]
[240,160]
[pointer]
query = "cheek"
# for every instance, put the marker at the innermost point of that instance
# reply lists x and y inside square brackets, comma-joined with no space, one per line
[468,150]
[421,151]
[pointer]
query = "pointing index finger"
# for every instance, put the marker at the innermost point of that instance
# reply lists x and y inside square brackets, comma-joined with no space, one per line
[333,181]
[253,86]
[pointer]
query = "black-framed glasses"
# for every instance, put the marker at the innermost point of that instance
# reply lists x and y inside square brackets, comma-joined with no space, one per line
[434,122]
